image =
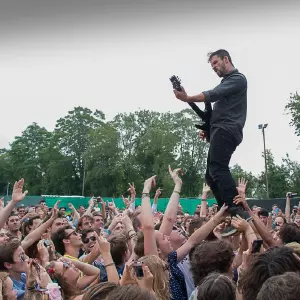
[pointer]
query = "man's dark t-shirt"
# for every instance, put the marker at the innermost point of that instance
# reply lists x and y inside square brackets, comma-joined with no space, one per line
[230,105]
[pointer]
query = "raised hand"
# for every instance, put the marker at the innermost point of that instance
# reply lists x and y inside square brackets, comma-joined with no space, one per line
[206,188]
[131,189]
[242,184]
[55,210]
[126,201]
[149,183]
[1,202]
[175,174]
[240,224]
[158,192]
[18,195]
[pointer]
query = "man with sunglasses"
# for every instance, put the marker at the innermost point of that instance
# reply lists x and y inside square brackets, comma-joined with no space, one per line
[67,242]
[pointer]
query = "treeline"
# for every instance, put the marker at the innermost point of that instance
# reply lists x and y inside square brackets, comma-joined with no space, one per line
[86,154]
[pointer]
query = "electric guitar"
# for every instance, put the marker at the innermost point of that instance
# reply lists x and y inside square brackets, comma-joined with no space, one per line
[205,115]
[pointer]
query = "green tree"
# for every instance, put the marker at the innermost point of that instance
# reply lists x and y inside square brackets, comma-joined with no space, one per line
[26,157]
[103,169]
[293,109]
[277,179]
[72,136]
[191,152]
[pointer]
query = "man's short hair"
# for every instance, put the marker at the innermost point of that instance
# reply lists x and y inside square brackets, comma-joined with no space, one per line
[263,212]
[281,287]
[220,53]
[7,251]
[118,248]
[58,238]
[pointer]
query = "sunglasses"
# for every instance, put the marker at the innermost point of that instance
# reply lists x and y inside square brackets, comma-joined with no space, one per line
[87,240]
[72,233]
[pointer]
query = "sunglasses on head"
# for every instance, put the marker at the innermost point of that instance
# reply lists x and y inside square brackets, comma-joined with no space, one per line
[87,240]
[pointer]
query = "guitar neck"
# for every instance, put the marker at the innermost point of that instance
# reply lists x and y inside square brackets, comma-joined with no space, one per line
[197,110]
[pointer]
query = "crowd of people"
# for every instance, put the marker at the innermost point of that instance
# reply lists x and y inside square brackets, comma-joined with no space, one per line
[141,253]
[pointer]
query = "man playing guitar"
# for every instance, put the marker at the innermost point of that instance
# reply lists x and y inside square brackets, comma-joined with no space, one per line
[226,129]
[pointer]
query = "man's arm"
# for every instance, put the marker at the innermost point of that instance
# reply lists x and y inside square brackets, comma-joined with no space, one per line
[234,84]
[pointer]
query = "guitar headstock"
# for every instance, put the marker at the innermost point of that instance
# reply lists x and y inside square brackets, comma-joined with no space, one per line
[176,82]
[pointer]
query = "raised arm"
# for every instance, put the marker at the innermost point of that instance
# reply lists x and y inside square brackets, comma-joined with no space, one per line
[156,196]
[171,210]
[17,196]
[200,234]
[35,235]
[205,192]
[288,208]
[150,247]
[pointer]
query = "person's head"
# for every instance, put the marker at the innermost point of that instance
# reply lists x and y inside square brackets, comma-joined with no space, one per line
[216,286]
[4,236]
[42,203]
[187,222]
[180,217]
[279,221]
[85,222]
[119,249]
[263,215]
[275,261]
[81,210]
[297,219]
[136,222]
[177,238]
[30,225]
[163,243]
[213,256]
[196,214]
[195,224]
[56,225]
[13,258]
[113,291]
[98,220]
[89,239]
[289,233]
[13,223]
[66,275]
[66,239]
[21,211]
[41,212]
[6,285]
[159,270]
[221,62]
[62,210]
[281,287]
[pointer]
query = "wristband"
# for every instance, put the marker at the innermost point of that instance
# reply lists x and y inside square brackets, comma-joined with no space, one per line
[109,265]
[176,192]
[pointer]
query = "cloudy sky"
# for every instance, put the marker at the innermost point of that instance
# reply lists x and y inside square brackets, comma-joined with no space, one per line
[117,56]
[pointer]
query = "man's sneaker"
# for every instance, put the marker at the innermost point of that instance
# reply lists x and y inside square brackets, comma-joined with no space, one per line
[228,231]
[239,211]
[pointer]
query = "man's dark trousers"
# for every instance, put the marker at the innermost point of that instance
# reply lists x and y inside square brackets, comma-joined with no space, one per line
[218,175]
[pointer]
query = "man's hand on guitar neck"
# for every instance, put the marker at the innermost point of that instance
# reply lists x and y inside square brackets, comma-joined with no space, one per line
[181,95]
[203,135]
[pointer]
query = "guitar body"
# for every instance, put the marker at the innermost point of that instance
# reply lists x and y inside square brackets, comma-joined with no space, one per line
[205,115]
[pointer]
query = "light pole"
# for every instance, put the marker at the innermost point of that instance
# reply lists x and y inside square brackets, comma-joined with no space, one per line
[7,188]
[262,127]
